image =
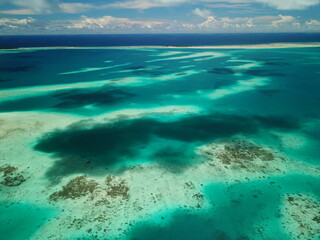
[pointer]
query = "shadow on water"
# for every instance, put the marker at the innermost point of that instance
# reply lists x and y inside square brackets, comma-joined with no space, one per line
[174,158]
[277,63]
[223,83]
[81,149]
[5,80]
[270,92]
[26,104]
[67,100]
[258,73]
[264,73]
[84,147]
[17,69]
[76,98]
[242,211]
[221,71]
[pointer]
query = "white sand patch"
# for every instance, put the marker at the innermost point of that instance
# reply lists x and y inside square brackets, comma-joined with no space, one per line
[20,50]
[149,68]
[154,48]
[143,81]
[83,70]
[238,60]
[170,53]
[203,59]
[301,216]
[246,66]
[292,140]
[18,135]
[21,92]
[208,55]
[188,66]
[242,159]
[239,87]
[145,112]
[150,191]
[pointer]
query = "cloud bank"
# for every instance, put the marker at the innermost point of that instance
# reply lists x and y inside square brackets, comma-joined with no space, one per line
[35,6]
[110,24]
[32,7]
[277,4]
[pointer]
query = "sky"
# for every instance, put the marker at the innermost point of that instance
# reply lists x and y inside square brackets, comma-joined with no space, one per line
[158,16]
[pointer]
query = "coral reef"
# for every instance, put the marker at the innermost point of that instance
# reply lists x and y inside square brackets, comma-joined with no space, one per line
[11,177]
[117,188]
[78,187]
[242,154]
[302,216]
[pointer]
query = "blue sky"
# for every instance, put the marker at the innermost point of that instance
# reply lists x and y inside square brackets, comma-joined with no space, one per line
[158,16]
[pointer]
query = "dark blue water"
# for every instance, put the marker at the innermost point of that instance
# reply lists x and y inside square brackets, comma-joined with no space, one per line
[154,39]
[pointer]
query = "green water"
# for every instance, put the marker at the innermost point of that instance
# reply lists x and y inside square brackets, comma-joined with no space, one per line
[156,134]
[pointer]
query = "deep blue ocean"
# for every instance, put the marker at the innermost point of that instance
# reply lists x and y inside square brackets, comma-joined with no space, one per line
[155,39]
[112,141]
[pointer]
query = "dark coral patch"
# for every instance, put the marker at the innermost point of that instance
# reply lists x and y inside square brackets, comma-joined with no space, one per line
[12,177]
[221,71]
[78,187]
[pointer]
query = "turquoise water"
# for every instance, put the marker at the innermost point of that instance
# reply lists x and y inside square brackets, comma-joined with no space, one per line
[20,221]
[161,143]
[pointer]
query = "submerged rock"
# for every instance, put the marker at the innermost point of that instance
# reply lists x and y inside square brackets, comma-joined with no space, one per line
[78,187]
[241,154]
[117,188]
[82,186]
[11,177]
[240,150]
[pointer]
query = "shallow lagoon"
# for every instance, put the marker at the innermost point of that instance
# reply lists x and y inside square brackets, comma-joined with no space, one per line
[166,143]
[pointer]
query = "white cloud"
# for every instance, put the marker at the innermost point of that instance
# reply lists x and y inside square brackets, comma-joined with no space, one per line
[278,4]
[258,24]
[75,7]
[290,4]
[228,5]
[145,4]
[283,19]
[51,6]
[112,24]
[15,21]
[33,7]
[313,22]
[225,23]
[8,24]
[313,25]
[249,23]
[211,20]
[204,13]
[109,22]
[23,11]
[36,6]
